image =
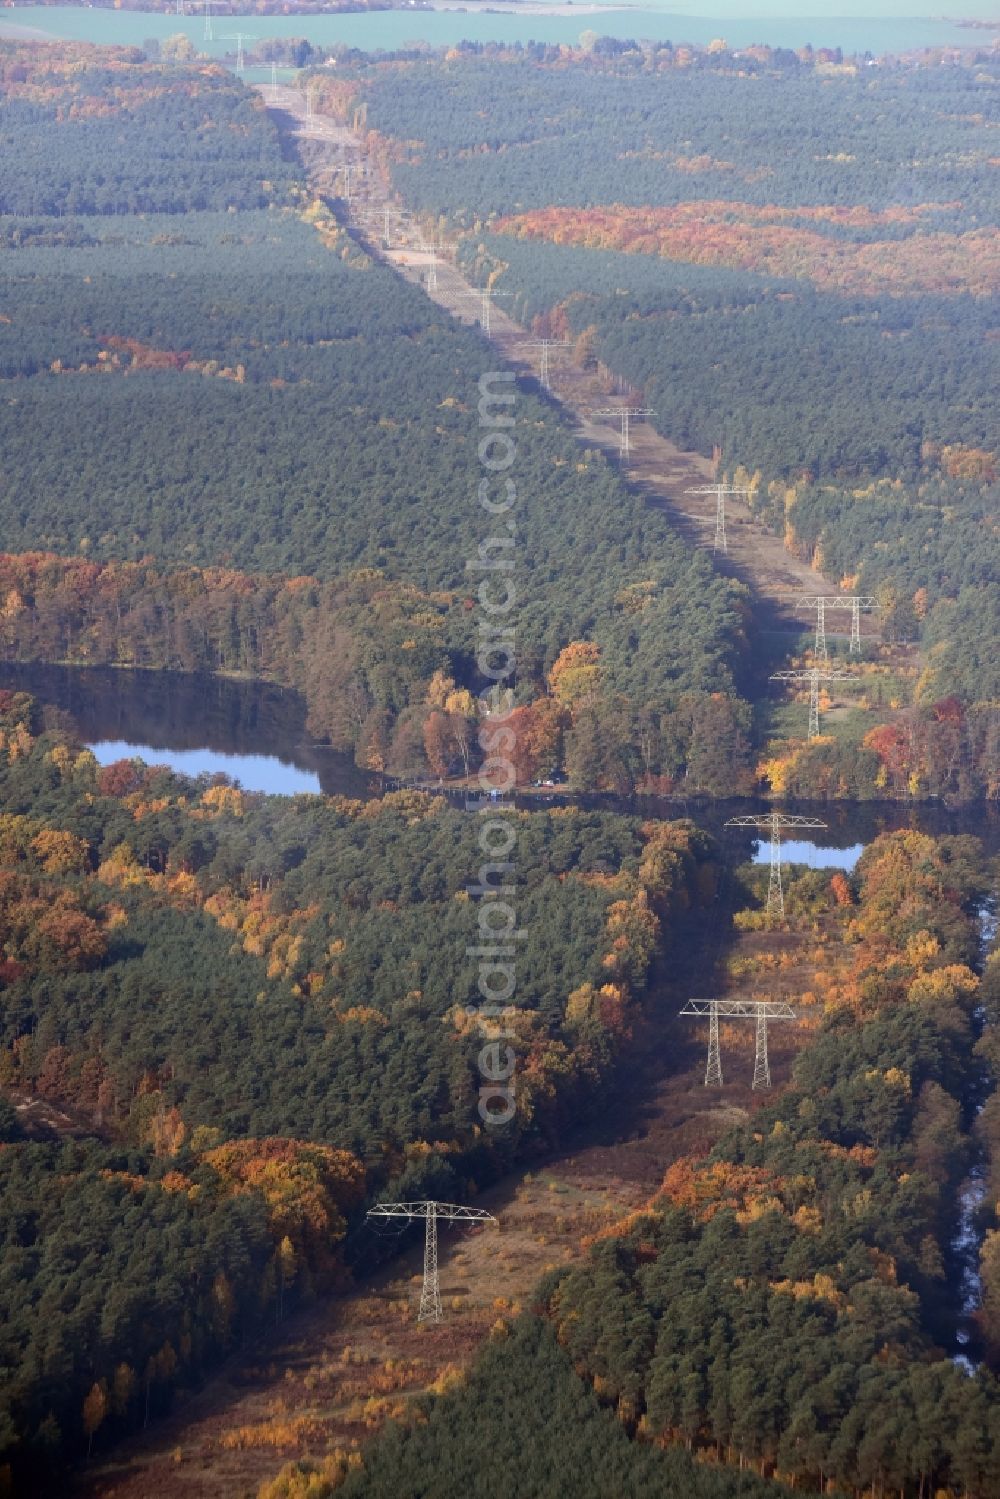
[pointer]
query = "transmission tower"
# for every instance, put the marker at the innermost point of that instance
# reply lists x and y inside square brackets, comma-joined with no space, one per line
[350,171]
[758,1010]
[720,491]
[431,1212]
[626,413]
[274,81]
[813,675]
[432,270]
[544,345]
[209,35]
[484,296]
[312,120]
[822,602]
[239,37]
[774,823]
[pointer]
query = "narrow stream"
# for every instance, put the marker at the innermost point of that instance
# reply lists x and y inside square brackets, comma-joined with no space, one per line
[967,1241]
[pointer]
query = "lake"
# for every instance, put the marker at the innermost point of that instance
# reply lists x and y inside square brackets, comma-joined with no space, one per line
[393,29]
[251,731]
[256,733]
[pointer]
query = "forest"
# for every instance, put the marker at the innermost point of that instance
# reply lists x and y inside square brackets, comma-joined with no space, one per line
[462,134]
[791,265]
[234,442]
[255,1012]
[783,1304]
[276,438]
[196,140]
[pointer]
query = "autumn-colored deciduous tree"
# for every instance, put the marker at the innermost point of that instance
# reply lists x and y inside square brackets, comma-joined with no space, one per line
[307,1189]
[95,1408]
[575,673]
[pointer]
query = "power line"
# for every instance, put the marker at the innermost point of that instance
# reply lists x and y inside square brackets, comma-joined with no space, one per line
[625,413]
[821,602]
[760,1011]
[239,37]
[720,491]
[431,1212]
[544,345]
[813,675]
[774,824]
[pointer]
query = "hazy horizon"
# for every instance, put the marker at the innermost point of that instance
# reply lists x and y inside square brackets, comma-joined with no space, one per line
[892,10]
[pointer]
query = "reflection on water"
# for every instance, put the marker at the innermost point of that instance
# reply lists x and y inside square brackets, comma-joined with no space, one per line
[257,733]
[252,731]
[253,772]
[813,855]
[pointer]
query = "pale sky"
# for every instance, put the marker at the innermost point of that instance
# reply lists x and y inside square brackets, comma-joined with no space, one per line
[954,10]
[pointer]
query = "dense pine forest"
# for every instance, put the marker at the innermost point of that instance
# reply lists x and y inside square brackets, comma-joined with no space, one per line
[236,442]
[248,391]
[784,1303]
[254,1011]
[789,259]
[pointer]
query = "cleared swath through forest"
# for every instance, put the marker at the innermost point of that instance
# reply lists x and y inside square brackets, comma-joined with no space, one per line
[658,468]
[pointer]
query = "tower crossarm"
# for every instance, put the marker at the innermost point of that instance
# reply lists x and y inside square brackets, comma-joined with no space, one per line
[813,674]
[719,489]
[769,820]
[625,411]
[452,1212]
[740,1009]
[833,600]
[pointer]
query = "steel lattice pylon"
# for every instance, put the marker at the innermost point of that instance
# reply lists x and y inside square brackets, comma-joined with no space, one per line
[773,823]
[713,1069]
[239,37]
[813,675]
[821,602]
[625,414]
[720,491]
[758,1010]
[544,345]
[430,1211]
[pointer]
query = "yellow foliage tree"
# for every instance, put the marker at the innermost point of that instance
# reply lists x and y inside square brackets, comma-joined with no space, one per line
[575,673]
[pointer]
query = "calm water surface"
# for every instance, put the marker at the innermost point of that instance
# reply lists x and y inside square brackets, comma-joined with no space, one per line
[248,730]
[257,734]
[397,28]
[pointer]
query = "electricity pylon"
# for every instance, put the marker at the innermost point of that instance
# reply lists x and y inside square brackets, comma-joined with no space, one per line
[429,248]
[208,35]
[773,823]
[484,296]
[239,37]
[274,81]
[822,602]
[544,345]
[312,127]
[349,169]
[758,1010]
[430,1291]
[720,491]
[626,413]
[813,675]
